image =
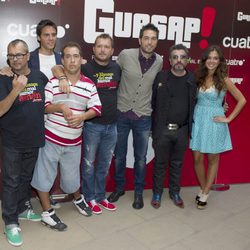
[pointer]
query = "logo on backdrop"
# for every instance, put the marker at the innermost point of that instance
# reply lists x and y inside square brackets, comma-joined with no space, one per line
[127,24]
[243,17]
[130,155]
[100,16]
[52,2]
[25,30]
[231,62]
[238,42]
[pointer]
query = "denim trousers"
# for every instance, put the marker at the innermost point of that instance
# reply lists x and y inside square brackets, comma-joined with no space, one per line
[140,131]
[98,147]
[18,166]
[169,150]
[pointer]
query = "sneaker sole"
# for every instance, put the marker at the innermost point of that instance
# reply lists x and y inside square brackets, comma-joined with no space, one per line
[15,244]
[97,213]
[201,207]
[21,218]
[53,227]
[85,213]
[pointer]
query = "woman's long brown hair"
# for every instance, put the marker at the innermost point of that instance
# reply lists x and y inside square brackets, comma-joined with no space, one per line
[220,73]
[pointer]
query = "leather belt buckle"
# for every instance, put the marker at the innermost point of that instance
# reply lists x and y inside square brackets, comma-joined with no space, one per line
[173,126]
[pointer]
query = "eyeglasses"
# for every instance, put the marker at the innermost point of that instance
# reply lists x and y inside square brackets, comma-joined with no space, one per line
[182,57]
[18,56]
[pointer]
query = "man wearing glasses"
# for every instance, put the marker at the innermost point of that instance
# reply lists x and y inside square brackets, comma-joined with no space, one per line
[173,104]
[22,132]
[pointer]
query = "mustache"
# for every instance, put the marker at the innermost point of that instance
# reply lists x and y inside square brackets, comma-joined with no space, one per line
[179,63]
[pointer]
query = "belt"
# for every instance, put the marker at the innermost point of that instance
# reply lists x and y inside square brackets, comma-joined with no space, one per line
[175,126]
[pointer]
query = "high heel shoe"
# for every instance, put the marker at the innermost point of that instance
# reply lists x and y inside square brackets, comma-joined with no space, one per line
[202,202]
[197,198]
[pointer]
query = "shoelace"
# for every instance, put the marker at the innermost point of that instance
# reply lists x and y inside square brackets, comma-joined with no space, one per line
[85,203]
[55,218]
[30,212]
[93,203]
[15,230]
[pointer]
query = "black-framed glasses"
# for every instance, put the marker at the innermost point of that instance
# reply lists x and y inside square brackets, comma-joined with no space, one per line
[182,57]
[18,56]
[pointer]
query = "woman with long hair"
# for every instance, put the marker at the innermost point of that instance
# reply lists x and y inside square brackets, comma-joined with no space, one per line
[210,134]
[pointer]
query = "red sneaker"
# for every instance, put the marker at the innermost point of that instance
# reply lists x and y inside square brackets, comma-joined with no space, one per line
[107,205]
[94,207]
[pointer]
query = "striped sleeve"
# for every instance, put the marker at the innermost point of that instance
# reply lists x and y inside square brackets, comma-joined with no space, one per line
[48,93]
[94,102]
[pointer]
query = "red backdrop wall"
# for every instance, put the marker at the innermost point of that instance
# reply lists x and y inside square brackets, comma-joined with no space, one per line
[193,22]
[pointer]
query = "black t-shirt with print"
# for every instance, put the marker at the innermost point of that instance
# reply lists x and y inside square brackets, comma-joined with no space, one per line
[23,125]
[106,79]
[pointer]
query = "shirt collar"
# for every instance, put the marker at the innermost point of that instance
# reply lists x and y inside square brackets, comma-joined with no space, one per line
[142,57]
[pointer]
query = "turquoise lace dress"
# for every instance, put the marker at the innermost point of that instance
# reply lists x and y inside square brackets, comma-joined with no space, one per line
[208,136]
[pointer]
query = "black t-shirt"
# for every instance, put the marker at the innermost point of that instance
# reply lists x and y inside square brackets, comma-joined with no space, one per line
[23,125]
[179,99]
[106,79]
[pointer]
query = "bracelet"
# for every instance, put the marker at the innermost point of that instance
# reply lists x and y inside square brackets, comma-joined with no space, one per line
[62,77]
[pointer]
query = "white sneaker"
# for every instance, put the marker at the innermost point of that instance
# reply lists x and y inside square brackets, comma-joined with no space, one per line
[82,206]
[49,218]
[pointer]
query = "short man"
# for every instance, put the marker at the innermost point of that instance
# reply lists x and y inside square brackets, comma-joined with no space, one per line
[100,133]
[139,68]
[22,132]
[173,103]
[63,133]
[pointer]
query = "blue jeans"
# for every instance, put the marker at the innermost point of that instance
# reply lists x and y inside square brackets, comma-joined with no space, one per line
[18,166]
[98,149]
[140,130]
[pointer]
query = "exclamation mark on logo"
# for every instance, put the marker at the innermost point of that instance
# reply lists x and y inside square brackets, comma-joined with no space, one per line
[208,16]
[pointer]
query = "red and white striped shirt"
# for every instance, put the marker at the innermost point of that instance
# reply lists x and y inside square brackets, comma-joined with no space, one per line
[83,96]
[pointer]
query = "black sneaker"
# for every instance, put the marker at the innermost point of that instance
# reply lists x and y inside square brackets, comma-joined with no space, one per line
[50,219]
[115,196]
[82,206]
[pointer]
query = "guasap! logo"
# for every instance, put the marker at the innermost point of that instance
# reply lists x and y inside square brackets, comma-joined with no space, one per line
[128,25]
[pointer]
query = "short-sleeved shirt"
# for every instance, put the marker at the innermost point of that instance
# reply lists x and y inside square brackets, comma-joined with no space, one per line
[23,125]
[83,96]
[106,79]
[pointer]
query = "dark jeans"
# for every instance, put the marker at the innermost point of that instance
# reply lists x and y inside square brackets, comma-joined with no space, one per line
[169,149]
[140,130]
[18,166]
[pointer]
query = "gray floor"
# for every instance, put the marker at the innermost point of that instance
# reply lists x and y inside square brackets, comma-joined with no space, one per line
[223,225]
